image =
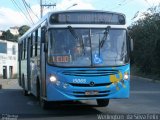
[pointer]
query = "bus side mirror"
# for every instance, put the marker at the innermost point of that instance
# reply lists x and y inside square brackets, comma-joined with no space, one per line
[43,38]
[45,47]
[131,44]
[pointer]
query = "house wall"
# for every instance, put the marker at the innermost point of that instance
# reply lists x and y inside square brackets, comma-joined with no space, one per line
[8,59]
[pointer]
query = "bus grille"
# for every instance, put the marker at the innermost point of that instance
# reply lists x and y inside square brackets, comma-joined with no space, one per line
[90,73]
[88,85]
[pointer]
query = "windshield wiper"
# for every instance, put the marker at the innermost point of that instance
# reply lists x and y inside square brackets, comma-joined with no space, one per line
[104,36]
[76,37]
[72,31]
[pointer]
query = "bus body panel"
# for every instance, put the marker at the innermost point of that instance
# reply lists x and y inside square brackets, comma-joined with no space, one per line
[24,74]
[104,86]
[28,65]
[72,83]
[42,79]
[33,75]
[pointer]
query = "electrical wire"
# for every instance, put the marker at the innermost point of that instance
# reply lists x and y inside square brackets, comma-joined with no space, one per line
[30,9]
[121,4]
[16,5]
[135,15]
[148,3]
[125,3]
[28,12]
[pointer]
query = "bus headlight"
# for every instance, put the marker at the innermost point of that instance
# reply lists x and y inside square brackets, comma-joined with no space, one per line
[53,78]
[126,76]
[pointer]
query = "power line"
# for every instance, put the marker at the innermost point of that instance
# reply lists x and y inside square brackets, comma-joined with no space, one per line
[16,5]
[148,3]
[135,15]
[121,5]
[28,11]
[21,3]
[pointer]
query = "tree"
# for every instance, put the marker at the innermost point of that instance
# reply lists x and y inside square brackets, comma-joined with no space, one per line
[23,29]
[7,35]
[145,33]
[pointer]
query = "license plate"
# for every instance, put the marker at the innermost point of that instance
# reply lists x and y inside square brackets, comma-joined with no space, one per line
[91,93]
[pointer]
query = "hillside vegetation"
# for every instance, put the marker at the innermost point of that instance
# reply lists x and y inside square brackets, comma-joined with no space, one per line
[146,35]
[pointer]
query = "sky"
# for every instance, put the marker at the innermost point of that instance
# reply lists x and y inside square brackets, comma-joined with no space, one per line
[13,12]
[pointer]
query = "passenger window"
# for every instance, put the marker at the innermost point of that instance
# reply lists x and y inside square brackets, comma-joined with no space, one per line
[31,47]
[36,42]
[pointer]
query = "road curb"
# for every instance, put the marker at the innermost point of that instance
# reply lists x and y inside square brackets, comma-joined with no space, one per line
[147,79]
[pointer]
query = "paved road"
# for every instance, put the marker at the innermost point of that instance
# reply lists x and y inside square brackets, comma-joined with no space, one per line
[145,98]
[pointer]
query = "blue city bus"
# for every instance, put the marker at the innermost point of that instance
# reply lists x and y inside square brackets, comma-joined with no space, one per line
[76,55]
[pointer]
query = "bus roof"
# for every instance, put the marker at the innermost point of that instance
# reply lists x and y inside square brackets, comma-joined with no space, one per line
[66,11]
[47,16]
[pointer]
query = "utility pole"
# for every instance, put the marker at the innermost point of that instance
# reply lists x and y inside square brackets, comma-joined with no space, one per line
[45,5]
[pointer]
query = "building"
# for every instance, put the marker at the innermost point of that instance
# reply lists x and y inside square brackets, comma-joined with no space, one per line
[1,32]
[14,30]
[8,59]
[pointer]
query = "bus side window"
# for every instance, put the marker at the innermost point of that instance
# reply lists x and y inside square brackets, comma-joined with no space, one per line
[38,41]
[21,49]
[24,49]
[33,43]
[19,53]
[31,47]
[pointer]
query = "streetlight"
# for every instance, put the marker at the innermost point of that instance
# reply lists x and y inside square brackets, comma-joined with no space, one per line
[72,6]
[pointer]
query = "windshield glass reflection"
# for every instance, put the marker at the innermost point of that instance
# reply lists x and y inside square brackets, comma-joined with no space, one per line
[84,50]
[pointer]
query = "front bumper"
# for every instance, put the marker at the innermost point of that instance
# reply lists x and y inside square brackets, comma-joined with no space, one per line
[113,91]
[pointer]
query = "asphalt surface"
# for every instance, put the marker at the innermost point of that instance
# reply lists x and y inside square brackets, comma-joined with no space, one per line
[144,101]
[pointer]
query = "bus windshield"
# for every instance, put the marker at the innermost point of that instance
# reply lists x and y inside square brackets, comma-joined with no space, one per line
[81,47]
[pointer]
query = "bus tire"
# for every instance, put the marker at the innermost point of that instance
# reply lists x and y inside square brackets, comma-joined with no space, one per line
[43,103]
[102,102]
[38,89]
[25,92]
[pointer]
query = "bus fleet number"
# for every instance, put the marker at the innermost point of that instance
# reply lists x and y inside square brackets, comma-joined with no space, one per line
[79,80]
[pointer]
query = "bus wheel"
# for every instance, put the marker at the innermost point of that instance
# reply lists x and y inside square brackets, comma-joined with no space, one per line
[103,102]
[43,103]
[25,92]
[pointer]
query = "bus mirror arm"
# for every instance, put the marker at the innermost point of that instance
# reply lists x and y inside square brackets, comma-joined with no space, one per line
[45,47]
[131,44]
[43,35]
[43,39]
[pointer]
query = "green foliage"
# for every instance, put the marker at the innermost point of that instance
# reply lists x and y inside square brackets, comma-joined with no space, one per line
[23,29]
[7,35]
[146,35]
